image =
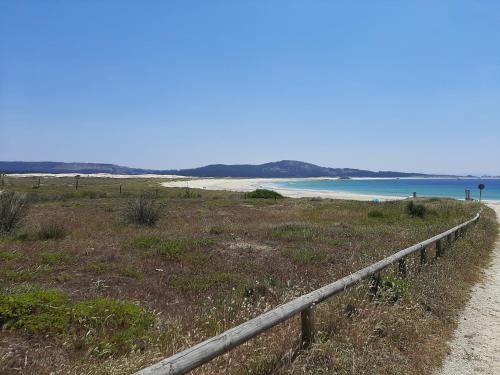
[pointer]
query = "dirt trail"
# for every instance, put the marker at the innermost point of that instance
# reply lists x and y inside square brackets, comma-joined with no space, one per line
[475,347]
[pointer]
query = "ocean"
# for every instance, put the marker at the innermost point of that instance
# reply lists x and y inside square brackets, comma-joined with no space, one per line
[404,187]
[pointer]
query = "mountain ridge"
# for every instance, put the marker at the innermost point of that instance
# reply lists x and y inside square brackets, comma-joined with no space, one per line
[282,168]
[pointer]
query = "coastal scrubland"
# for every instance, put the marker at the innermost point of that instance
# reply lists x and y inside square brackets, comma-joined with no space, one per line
[86,290]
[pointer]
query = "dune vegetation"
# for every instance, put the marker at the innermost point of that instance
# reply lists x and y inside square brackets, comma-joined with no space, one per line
[121,273]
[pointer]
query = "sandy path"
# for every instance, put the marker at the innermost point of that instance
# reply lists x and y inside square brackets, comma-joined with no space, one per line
[475,348]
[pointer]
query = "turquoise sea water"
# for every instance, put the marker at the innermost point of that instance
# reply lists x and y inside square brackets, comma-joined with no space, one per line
[452,188]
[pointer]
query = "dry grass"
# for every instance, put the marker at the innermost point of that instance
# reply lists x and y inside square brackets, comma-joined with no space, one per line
[217,259]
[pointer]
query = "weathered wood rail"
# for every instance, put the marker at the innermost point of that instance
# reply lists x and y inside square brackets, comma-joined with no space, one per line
[205,351]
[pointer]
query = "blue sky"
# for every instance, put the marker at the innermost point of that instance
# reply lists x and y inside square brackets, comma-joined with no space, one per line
[399,85]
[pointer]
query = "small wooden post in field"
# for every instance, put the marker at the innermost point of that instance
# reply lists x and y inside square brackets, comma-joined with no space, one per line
[438,249]
[307,323]
[120,189]
[423,255]
[77,177]
[375,281]
[402,267]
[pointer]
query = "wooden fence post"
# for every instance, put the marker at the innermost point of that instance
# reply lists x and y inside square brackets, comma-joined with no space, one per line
[375,281]
[438,249]
[423,255]
[307,323]
[402,267]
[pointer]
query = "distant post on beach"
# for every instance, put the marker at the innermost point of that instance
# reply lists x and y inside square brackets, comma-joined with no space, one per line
[481,188]
[414,194]
[467,195]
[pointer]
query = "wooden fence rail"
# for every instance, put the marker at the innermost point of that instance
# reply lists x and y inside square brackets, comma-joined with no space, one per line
[203,352]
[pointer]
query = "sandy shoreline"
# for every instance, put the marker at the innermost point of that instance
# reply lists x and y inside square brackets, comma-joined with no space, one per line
[249,184]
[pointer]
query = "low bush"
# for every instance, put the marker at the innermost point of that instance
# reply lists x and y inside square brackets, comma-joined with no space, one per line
[13,207]
[143,210]
[416,209]
[264,194]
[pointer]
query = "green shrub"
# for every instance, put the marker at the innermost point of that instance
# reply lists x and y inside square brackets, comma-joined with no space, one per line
[105,326]
[416,209]
[263,194]
[108,326]
[375,214]
[13,207]
[143,210]
[34,310]
[392,289]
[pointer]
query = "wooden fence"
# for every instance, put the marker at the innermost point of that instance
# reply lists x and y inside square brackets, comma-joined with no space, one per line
[205,351]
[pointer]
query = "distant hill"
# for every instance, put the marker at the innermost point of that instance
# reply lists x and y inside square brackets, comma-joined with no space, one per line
[59,167]
[284,168]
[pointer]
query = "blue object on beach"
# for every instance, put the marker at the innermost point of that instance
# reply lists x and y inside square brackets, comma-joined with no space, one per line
[375,200]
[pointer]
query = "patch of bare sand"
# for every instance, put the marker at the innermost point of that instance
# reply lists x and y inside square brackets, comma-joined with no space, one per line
[475,347]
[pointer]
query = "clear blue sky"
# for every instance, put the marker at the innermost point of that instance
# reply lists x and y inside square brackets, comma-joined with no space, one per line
[399,85]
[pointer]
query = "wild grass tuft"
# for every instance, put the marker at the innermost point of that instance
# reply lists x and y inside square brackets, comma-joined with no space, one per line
[143,210]
[50,231]
[13,207]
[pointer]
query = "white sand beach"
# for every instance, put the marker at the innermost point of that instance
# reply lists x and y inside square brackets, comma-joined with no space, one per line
[249,184]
